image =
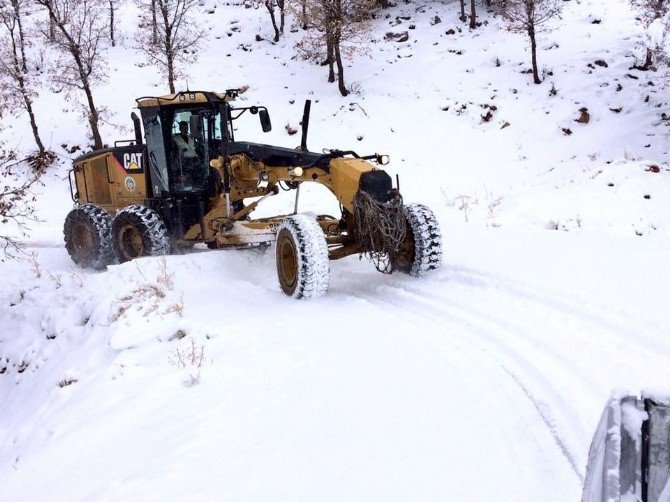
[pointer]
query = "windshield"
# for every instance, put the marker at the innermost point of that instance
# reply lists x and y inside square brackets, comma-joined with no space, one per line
[190,152]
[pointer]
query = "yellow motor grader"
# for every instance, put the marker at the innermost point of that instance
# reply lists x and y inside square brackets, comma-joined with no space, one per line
[188,180]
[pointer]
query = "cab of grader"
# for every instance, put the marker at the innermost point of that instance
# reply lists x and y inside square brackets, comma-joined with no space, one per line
[187,180]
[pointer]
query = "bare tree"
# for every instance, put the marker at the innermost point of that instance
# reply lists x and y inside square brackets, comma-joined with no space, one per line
[15,83]
[81,27]
[178,38]
[303,14]
[473,15]
[529,16]
[270,6]
[463,17]
[154,23]
[111,22]
[13,9]
[652,12]
[16,208]
[337,26]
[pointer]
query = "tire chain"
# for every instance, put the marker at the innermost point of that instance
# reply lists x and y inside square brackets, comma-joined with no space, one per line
[427,239]
[102,224]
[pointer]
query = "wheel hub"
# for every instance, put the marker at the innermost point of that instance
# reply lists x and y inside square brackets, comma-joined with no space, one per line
[130,242]
[82,240]
[287,259]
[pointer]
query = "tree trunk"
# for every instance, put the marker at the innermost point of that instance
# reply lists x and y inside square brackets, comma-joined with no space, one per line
[52,29]
[330,55]
[111,22]
[473,15]
[17,16]
[271,9]
[463,17]
[18,75]
[75,51]
[33,123]
[169,54]
[533,52]
[28,105]
[154,24]
[340,67]
[92,116]
[282,17]
[304,14]
[170,72]
[649,60]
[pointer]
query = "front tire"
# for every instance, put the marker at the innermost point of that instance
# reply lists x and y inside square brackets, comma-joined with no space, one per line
[87,233]
[139,231]
[303,268]
[421,250]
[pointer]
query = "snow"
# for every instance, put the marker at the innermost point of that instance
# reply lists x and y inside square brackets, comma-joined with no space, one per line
[631,420]
[483,381]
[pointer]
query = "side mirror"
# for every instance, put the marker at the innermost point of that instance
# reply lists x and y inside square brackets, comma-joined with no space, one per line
[265,120]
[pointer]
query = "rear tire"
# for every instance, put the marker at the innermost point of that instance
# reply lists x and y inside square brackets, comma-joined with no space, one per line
[422,249]
[139,231]
[87,233]
[303,268]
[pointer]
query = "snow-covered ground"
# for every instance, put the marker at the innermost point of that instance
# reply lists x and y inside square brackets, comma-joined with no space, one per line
[484,381]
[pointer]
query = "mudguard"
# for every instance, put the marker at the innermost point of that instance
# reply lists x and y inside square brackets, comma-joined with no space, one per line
[629,458]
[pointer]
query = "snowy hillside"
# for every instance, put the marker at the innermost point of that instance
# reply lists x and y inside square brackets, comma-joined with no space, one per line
[192,377]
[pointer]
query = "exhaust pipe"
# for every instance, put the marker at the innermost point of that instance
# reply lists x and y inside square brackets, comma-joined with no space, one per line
[138,128]
[305,125]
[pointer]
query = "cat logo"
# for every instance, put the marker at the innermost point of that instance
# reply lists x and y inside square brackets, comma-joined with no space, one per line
[132,161]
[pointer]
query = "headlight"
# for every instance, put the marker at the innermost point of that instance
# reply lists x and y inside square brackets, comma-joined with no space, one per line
[383,159]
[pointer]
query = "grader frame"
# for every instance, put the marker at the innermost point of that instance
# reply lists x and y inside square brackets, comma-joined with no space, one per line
[163,196]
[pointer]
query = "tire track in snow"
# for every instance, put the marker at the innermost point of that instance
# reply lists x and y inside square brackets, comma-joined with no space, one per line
[494,341]
[550,422]
[497,344]
[543,412]
[568,304]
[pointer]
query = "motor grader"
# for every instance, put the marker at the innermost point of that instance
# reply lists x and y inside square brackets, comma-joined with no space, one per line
[188,180]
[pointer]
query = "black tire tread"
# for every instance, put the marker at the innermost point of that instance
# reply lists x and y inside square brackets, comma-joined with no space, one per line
[150,225]
[101,224]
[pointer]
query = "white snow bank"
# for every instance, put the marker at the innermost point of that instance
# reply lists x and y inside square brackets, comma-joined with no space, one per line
[623,197]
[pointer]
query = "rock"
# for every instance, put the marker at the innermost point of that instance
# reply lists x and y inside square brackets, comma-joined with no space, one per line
[178,335]
[397,37]
[450,32]
[601,63]
[584,116]
[435,20]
